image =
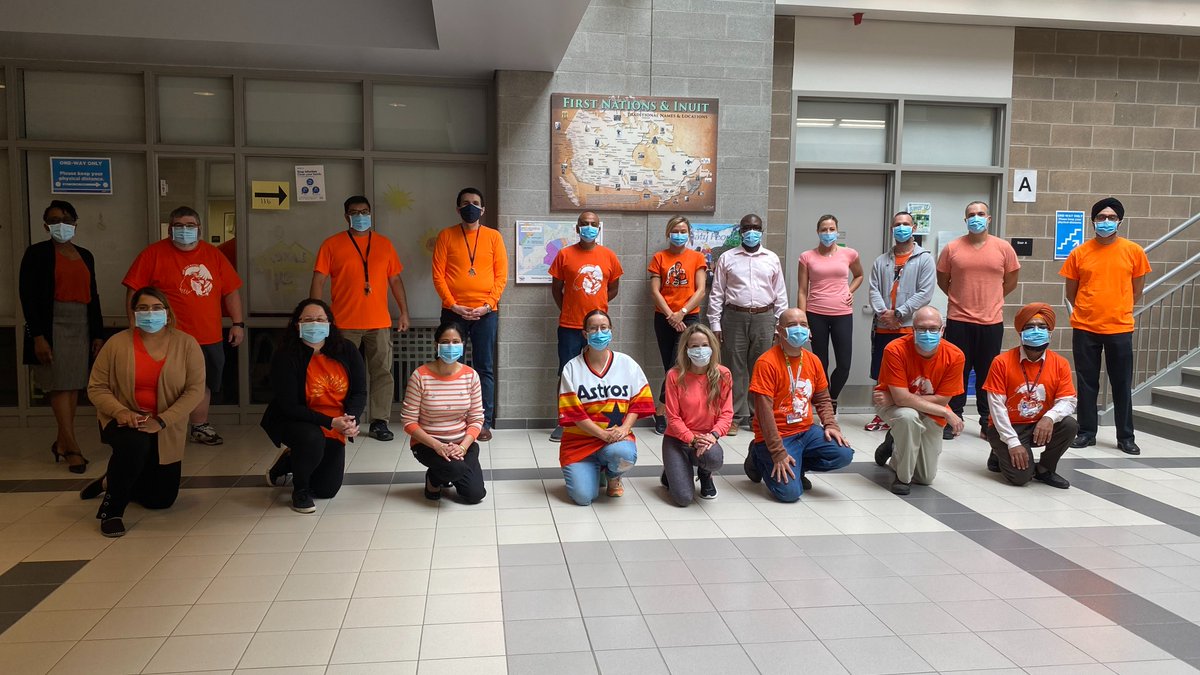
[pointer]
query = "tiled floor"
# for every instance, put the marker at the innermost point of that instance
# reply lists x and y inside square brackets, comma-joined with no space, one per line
[969,575]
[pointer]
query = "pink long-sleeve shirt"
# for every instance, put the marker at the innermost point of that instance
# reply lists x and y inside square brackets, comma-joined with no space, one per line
[688,410]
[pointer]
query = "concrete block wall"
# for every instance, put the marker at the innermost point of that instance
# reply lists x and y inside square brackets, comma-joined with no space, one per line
[700,48]
[780,167]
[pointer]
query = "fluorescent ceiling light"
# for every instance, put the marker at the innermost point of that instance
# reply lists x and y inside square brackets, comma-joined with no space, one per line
[204,93]
[815,121]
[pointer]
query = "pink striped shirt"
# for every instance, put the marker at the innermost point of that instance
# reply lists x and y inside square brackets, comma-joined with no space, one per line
[447,408]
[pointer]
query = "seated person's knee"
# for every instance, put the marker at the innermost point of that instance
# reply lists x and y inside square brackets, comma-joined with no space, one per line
[788,493]
[471,495]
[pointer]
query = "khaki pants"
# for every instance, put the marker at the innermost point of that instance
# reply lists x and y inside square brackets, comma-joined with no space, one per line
[917,444]
[377,351]
[744,338]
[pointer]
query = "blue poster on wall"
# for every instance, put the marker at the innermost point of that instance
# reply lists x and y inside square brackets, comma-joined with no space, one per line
[81,176]
[1068,232]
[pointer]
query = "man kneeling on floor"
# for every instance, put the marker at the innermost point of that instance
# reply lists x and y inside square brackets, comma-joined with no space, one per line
[788,383]
[919,375]
[1034,383]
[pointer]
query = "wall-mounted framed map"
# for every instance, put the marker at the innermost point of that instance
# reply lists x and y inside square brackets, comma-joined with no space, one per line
[633,153]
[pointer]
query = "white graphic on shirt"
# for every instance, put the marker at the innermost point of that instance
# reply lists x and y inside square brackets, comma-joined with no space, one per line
[801,397]
[1032,402]
[921,385]
[196,279]
[590,279]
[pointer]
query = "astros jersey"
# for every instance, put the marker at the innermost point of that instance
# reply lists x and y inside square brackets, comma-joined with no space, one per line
[604,397]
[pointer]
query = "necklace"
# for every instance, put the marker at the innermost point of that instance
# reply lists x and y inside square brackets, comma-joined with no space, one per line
[471,252]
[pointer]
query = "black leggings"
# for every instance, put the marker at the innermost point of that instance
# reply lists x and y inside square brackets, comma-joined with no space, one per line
[668,341]
[980,344]
[465,475]
[841,330]
[317,463]
[134,473]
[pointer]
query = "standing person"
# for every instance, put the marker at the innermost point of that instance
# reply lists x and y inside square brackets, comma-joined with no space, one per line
[443,415]
[602,393]
[748,296]
[677,286]
[976,272]
[361,266]
[789,384]
[63,325]
[828,276]
[902,281]
[1105,277]
[1031,384]
[470,270]
[199,281]
[699,393]
[320,388]
[919,375]
[146,381]
[585,277]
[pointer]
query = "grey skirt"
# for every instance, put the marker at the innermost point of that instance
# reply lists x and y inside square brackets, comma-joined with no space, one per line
[72,349]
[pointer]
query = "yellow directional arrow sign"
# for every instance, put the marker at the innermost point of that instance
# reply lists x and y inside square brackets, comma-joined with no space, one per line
[270,194]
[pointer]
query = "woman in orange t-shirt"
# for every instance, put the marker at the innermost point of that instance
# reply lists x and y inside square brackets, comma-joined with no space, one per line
[677,282]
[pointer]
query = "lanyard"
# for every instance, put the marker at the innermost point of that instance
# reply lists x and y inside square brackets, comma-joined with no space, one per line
[467,245]
[795,379]
[364,258]
[1029,386]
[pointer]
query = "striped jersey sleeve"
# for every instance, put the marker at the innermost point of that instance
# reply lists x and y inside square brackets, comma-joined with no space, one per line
[446,408]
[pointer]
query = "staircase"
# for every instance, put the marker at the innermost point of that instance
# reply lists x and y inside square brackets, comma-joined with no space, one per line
[1174,411]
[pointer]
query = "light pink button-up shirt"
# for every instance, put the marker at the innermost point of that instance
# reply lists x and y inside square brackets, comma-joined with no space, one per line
[747,280]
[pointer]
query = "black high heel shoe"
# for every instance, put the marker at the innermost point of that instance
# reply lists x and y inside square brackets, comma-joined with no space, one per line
[61,456]
[58,456]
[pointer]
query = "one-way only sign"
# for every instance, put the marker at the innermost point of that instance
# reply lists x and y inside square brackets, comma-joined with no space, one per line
[81,176]
[270,194]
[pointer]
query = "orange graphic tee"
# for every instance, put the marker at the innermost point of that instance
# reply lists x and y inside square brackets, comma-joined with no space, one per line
[325,387]
[939,375]
[677,274]
[585,276]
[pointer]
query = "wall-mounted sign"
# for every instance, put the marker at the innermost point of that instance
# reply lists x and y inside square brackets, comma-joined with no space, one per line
[1025,185]
[633,153]
[538,242]
[81,176]
[310,183]
[1068,232]
[270,194]
[922,215]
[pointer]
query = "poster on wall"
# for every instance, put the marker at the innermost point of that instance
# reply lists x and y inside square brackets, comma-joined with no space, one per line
[633,153]
[538,241]
[310,183]
[922,214]
[1068,232]
[81,176]
[712,239]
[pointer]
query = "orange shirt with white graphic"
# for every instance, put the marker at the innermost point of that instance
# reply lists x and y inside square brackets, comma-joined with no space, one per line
[325,387]
[194,282]
[790,382]
[585,276]
[1029,388]
[940,374]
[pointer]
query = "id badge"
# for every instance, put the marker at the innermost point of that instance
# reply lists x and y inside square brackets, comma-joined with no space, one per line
[795,418]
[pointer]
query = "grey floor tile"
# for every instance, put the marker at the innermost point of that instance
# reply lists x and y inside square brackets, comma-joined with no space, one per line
[597,575]
[1031,648]
[733,597]
[1189,574]
[1110,644]
[1094,557]
[644,551]
[1006,585]
[41,572]
[726,660]
[1143,580]
[877,656]
[919,618]
[921,563]
[854,566]
[950,587]
[724,571]
[976,561]
[689,630]
[619,632]
[1154,555]
[964,522]
[981,615]
[534,577]
[657,573]
[1175,667]
[576,663]
[1186,605]
[1061,612]
[625,662]
[706,549]
[1128,609]
[882,590]
[1111,536]
[767,625]
[766,547]
[1182,640]
[606,601]
[832,623]
[545,636]
[588,552]
[789,569]
[1000,540]
[958,651]
[531,554]
[814,593]
[1056,538]
[1080,583]
[24,598]
[877,544]
[780,658]
[1167,534]
[521,605]
[823,545]
[935,542]
[1038,560]
[672,599]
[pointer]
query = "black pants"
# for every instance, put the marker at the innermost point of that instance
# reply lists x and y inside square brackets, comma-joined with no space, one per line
[878,342]
[981,345]
[841,330]
[668,341]
[134,473]
[1118,361]
[317,463]
[1060,439]
[465,475]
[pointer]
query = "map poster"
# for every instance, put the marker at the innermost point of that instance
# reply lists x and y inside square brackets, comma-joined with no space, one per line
[922,214]
[538,241]
[712,239]
[633,153]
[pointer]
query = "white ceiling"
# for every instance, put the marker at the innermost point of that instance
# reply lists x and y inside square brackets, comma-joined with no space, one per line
[449,38]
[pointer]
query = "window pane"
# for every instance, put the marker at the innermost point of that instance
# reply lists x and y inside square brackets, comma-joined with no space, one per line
[833,131]
[430,119]
[413,202]
[112,227]
[283,114]
[195,110]
[955,135]
[8,291]
[84,107]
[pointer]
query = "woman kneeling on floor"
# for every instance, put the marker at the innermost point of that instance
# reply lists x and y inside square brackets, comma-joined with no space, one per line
[320,388]
[699,392]
[601,395]
[443,413]
[145,383]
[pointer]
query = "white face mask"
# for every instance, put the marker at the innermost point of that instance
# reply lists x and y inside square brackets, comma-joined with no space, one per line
[700,356]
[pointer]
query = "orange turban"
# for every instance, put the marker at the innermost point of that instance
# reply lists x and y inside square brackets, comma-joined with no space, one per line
[1035,309]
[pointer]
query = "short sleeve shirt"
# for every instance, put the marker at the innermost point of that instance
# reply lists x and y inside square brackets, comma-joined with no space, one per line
[677,275]
[585,276]
[325,388]
[1029,388]
[790,382]
[829,280]
[941,374]
[1105,272]
[977,278]
[194,282]
[338,259]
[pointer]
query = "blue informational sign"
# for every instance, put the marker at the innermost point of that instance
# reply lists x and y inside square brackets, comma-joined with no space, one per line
[1069,231]
[81,176]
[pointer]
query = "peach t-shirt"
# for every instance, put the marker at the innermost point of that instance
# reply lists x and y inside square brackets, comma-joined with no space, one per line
[977,278]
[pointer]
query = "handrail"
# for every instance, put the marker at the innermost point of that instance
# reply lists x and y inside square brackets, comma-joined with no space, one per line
[1178,268]
[1138,312]
[1171,235]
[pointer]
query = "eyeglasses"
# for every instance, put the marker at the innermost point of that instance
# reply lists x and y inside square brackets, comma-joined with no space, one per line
[1102,219]
[590,331]
[314,319]
[359,212]
[189,225]
[59,221]
[149,308]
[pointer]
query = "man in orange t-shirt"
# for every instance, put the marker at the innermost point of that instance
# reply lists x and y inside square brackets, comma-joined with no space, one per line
[584,276]
[919,374]
[197,280]
[470,270]
[1030,391]
[787,385]
[362,266]
[1104,278]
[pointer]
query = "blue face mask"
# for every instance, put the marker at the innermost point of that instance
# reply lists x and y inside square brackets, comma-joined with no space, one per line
[599,339]
[1035,337]
[151,321]
[314,332]
[450,352]
[185,236]
[62,232]
[928,341]
[1106,228]
[796,336]
[977,224]
[470,213]
[360,221]
[678,238]
[751,238]
[700,356]
[589,233]
[902,233]
[828,238]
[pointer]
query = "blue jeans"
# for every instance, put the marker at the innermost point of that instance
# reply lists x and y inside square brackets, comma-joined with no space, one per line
[482,333]
[583,477]
[570,343]
[811,451]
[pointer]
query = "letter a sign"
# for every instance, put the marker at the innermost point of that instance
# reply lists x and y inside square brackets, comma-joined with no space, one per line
[1025,185]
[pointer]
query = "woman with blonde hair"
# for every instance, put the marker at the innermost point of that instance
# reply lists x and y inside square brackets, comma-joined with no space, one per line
[677,287]
[699,393]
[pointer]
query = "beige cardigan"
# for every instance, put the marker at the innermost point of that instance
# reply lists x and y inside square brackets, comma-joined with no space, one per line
[180,386]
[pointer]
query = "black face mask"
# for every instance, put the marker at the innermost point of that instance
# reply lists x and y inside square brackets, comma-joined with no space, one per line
[470,213]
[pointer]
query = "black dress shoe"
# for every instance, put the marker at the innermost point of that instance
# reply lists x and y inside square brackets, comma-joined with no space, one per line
[1128,447]
[751,470]
[993,464]
[1083,440]
[112,527]
[1052,479]
[380,432]
[948,433]
[805,482]
[884,452]
[899,488]
[92,489]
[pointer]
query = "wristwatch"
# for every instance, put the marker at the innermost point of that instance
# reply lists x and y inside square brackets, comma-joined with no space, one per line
[239,324]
